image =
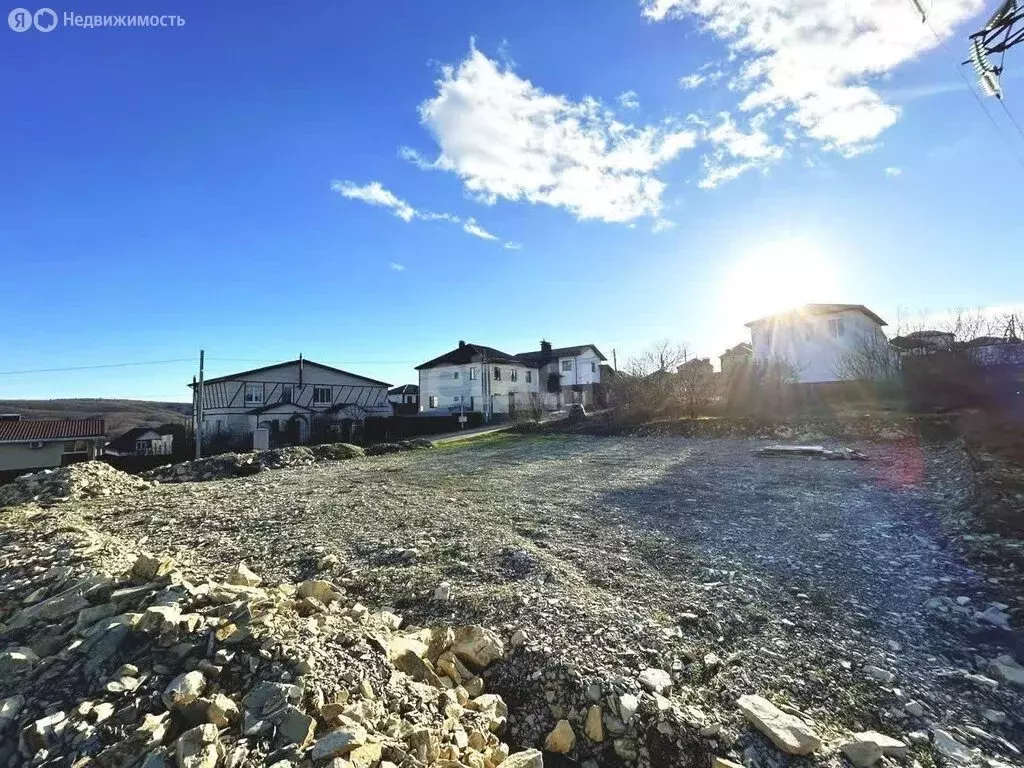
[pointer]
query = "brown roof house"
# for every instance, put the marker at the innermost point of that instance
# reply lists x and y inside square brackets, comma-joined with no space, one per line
[27,445]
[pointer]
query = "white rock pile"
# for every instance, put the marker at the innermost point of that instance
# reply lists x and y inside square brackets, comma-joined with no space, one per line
[147,668]
[77,481]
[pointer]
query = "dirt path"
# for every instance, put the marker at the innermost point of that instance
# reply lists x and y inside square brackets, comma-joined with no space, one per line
[616,554]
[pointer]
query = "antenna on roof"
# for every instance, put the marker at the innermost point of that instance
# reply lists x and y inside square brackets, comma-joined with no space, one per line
[1003,31]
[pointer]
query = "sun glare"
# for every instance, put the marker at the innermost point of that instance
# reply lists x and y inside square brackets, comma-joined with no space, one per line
[778,276]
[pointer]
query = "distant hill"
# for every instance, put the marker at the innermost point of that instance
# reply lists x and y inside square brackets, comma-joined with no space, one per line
[120,415]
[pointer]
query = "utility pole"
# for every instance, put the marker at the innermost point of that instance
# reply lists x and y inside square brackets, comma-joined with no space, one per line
[615,361]
[199,409]
[485,389]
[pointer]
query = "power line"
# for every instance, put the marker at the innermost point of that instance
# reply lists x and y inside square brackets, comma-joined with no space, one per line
[94,367]
[191,360]
[337,362]
[1013,120]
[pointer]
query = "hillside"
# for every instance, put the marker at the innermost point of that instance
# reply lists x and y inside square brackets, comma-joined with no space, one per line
[120,415]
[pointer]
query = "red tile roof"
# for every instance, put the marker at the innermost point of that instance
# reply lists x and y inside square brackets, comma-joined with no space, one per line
[28,430]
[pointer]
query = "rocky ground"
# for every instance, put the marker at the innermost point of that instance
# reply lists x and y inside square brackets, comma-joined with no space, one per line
[671,599]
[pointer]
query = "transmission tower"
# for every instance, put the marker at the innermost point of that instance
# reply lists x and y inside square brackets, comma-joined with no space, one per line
[1003,31]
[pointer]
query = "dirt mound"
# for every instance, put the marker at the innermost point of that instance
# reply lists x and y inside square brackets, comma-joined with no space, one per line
[78,481]
[405,445]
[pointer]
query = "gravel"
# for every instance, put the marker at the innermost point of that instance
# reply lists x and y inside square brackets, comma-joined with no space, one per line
[784,578]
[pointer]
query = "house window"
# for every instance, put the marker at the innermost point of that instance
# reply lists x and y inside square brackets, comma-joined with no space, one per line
[254,393]
[497,374]
[529,376]
[457,399]
[593,367]
[472,373]
[321,395]
[76,446]
[514,375]
[567,365]
[433,401]
[835,327]
[286,393]
[456,376]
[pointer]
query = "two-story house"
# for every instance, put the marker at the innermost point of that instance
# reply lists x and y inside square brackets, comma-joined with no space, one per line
[295,399]
[815,338]
[474,377]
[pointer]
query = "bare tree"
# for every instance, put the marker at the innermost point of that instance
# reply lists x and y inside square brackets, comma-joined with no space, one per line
[695,387]
[648,380]
[871,358]
[661,357]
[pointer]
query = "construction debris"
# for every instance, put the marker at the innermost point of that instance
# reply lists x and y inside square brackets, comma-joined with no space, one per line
[88,479]
[816,451]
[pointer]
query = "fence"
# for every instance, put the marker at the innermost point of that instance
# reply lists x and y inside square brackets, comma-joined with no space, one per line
[383,430]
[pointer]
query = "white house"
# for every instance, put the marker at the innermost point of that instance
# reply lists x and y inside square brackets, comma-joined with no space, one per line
[297,399]
[815,338]
[474,377]
[404,398]
[141,441]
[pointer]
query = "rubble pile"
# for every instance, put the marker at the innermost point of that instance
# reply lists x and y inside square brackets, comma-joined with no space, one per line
[88,479]
[227,465]
[148,668]
[337,452]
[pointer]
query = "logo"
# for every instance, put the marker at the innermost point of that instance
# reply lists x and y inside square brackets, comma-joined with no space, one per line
[45,19]
[22,20]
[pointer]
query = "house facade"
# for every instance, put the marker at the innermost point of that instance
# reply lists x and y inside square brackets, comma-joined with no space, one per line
[405,399]
[294,401]
[474,377]
[815,338]
[736,358]
[141,441]
[27,445]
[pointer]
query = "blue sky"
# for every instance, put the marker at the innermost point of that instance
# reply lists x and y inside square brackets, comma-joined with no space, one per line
[368,183]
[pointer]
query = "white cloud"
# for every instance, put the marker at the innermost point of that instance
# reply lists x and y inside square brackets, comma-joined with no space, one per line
[397,267]
[893,172]
[755,145]
[689,82]
[476,230]
[512,246]
[734,151]
[375,194]
[718,171]
[813,59]
[509,139]
[629,100]
[662,225]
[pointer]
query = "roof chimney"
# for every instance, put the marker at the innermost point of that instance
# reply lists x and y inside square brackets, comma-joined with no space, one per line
[545,347]
[461,343]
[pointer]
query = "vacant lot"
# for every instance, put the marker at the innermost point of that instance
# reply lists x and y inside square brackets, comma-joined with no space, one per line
[784,577]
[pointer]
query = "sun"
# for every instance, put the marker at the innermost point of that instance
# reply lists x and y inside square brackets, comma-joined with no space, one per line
[778,276]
